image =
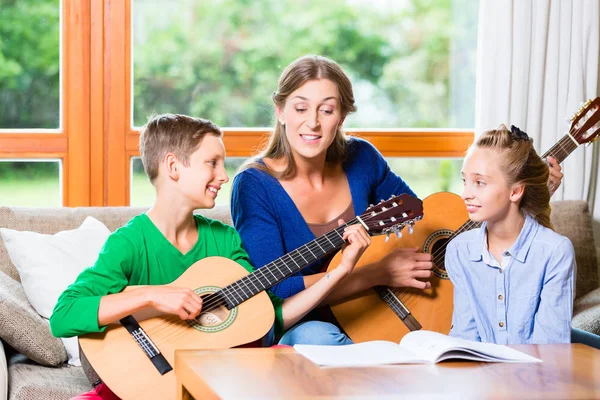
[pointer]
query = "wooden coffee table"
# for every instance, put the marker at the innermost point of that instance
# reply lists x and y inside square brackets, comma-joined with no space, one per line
[568,371]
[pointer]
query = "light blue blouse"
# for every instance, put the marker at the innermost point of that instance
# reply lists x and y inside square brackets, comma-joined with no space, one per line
[528,298]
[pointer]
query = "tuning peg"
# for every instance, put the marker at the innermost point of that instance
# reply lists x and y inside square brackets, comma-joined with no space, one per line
[387,237]
[410,229]
[398,233]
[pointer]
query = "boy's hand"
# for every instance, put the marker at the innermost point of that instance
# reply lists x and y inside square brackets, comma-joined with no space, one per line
[405,267]
[358,240]
[179,301]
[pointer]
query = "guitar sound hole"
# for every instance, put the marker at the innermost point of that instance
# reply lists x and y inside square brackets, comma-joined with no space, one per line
[212,316]
[438,252]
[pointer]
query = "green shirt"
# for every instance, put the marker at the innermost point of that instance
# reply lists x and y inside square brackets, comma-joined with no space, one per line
[139,254]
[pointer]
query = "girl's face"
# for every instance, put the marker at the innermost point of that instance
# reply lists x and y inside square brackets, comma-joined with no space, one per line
[312,115]
[486,193]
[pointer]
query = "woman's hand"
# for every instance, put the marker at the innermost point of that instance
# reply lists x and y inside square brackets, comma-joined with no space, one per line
[405,267]
[179,301]
[358,240]
[555,175]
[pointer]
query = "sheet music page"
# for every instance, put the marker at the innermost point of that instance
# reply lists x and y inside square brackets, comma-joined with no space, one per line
[433,347]
[358,355]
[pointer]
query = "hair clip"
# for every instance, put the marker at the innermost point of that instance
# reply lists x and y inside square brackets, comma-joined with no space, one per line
[518,134]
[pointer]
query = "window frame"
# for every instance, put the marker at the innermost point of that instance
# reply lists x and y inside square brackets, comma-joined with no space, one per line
[96,141]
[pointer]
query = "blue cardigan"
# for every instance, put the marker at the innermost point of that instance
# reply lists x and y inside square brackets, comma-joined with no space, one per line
[270,224]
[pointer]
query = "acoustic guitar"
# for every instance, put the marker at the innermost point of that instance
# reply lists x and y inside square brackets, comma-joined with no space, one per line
[135,358]
[385,313]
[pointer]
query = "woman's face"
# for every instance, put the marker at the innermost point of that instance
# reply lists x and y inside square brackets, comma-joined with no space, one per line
[312,115]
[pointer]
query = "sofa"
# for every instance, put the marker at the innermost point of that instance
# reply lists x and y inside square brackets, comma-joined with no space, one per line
[43,374]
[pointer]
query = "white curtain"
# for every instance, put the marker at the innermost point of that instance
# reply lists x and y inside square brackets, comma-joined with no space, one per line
[537,61]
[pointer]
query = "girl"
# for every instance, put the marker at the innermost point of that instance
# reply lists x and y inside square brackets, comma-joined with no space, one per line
[514,278]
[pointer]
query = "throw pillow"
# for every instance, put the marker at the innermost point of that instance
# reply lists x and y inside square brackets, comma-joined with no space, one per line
[23,328]
[47,264]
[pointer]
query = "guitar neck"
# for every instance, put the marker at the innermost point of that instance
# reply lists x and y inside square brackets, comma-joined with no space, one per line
[282,268]
[562,148]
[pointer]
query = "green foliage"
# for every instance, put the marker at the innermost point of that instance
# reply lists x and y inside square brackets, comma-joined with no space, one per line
[29,64]
[222,61]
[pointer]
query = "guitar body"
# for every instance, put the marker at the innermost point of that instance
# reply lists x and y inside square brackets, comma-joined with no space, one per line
[367,317]
[127,370]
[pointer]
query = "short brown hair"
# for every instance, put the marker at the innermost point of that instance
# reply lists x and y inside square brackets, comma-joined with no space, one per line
[172,133]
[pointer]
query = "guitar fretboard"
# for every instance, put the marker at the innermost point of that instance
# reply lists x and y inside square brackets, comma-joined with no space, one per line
[276,271]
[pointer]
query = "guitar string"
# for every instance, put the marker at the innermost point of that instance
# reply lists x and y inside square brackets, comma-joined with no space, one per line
[262,272]
[218,301]
[366,217]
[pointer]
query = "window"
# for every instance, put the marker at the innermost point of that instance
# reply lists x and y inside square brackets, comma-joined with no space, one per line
[221,58]
[30,183]
[77,79]
[44,121]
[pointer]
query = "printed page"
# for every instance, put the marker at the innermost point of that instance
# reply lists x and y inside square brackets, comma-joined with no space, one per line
[435,347]
[358,355]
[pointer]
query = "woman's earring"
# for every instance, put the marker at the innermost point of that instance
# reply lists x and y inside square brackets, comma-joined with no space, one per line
[282,122]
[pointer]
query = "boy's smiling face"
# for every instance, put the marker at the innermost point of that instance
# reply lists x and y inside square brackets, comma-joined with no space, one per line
[201,180]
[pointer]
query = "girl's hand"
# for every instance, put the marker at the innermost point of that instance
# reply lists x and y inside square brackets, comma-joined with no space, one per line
[179,301]
[358,240]
[555,175]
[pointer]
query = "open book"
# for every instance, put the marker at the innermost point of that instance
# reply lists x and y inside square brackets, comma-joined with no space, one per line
[416,347]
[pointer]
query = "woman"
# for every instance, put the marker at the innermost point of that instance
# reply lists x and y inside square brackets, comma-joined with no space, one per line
[308,177]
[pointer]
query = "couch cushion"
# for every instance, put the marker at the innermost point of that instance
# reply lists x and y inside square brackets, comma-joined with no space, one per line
[48,264]
[3,374]
[53,220]
[28,380]
[22,327]
[586,312]
[572,219]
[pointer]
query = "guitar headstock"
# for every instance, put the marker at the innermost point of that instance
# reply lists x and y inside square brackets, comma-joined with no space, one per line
[585,124]
[391,216]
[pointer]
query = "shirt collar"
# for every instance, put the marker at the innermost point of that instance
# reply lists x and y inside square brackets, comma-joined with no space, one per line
[518,250]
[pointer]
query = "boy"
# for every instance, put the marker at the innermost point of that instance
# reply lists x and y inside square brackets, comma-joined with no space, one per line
[184,159]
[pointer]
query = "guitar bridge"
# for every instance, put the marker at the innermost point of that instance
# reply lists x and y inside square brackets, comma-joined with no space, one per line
[148,347]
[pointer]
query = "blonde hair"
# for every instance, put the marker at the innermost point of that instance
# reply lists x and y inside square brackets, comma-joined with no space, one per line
[175,133]
[295,75]
[521,164]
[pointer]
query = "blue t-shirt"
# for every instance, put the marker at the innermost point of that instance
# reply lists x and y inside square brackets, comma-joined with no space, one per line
[271,225]
[525,298]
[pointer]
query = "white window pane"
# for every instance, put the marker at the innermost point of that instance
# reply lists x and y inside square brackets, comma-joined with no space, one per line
[30,183]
